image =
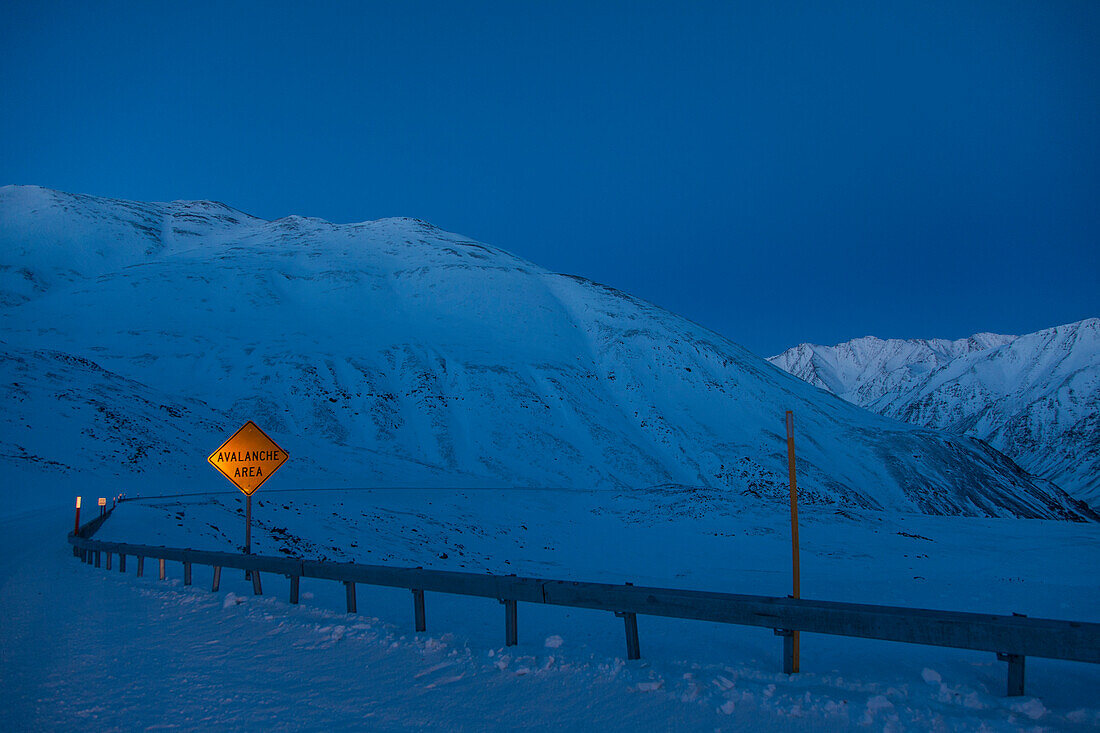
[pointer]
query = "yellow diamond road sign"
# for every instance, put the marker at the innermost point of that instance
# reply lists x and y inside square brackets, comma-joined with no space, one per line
[248,458]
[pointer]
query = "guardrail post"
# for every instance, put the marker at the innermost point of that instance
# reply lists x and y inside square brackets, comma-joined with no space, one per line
[217,579]
[790,665]
[161,573]
[141,566]
[257,589]
[1015,673]
[511,634]
[349,587]
[97,558]
[294,588]
[121,563]
[630,620]
[418,610]
[187,573]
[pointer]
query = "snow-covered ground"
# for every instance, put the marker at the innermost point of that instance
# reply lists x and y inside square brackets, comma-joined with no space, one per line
[115,652]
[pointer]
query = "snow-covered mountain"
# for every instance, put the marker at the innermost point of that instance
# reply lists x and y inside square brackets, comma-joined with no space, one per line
[1036,397]
[137,336]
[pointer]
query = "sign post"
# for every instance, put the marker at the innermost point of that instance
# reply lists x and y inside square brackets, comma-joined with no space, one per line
[794,531]
[248,459]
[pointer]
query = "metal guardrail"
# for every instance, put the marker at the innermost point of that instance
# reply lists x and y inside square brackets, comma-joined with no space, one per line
[1012,638]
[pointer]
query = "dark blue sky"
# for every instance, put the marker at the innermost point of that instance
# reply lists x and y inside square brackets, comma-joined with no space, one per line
[777,172]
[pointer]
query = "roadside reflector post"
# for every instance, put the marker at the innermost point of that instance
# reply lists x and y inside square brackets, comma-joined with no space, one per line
[418,610]
[511,632]
[102,505]
[349,588]
[187,573]
[294,580]
[630,620]
[141,566]
[161,569]
[794,638]
[257,589]
[76,527]
[217,579]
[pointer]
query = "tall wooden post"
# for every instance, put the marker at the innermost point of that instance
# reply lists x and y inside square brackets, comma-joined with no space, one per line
[794,530]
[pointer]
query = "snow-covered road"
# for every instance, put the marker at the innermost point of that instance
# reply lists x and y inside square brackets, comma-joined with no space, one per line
[91,647]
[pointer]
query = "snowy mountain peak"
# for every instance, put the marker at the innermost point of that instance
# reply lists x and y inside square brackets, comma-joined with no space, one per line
[864,369]
[1035,397]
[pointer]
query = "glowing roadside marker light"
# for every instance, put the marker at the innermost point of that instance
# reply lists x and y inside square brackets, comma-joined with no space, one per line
[78,502]
[102,501]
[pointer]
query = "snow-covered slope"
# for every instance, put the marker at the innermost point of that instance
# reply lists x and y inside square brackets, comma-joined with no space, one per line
[1034,397]
[393,353]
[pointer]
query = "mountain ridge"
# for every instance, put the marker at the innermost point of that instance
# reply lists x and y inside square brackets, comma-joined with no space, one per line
[394,353]
[1034,397]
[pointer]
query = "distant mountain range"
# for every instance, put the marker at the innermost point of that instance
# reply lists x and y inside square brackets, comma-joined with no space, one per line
[138,336]
[1035,398]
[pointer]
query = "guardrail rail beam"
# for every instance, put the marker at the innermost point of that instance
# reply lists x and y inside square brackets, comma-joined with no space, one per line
[1012,638]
